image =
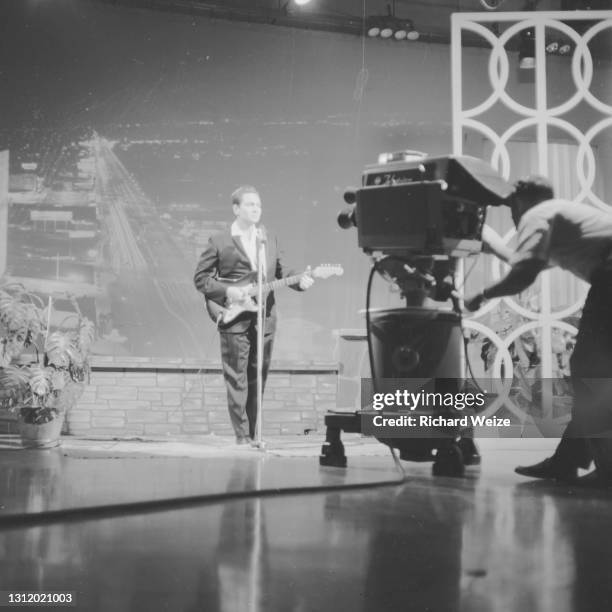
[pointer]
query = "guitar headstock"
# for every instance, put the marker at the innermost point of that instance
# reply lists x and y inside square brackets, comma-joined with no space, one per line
[327,270]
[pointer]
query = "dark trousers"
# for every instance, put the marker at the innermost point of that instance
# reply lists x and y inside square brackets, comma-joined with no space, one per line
[239,360]
[588,435]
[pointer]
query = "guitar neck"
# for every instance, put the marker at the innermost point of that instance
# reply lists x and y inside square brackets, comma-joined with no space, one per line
[275,284]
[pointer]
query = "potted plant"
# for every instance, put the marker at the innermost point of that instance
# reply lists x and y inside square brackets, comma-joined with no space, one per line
[42,371]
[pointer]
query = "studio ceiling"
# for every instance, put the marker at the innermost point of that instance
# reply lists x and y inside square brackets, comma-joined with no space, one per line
[430,17]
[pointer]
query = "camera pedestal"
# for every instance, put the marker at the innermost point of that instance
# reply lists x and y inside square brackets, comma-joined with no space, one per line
[416,215]
[410,342]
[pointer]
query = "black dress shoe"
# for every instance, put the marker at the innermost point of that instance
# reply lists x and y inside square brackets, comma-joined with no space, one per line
[549,470]
[469,450]
[594,480]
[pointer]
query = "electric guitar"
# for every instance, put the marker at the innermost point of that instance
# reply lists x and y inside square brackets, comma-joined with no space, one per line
[223,315]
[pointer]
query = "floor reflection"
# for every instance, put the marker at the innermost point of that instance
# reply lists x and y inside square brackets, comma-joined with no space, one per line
[445,544]
[242,551]
[509,539]
[585,523]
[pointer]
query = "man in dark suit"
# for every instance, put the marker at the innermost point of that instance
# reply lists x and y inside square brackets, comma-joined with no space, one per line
[229,257]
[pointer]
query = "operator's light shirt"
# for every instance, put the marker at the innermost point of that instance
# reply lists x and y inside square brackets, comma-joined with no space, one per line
[575,237]
[248,238]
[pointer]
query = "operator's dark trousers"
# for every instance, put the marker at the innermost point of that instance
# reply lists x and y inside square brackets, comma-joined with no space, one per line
[588,436]
[239,359]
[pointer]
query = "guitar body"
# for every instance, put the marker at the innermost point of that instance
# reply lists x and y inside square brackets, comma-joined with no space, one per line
[225,315]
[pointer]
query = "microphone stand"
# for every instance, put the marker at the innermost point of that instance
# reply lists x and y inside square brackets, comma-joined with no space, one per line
[261,261]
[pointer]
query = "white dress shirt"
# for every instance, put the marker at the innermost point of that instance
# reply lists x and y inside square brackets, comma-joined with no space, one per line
[248,238]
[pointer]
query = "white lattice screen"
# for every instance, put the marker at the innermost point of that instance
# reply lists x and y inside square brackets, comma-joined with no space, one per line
[551,125]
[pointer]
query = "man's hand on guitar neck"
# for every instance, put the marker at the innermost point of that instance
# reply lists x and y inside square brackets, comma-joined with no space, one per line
[306,280]
[238,294]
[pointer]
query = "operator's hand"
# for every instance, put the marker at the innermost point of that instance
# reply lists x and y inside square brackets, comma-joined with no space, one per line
[475,302]
[306,280]
[236,294]
[488,236]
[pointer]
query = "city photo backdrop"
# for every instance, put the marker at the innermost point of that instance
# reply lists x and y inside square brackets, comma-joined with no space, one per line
[127,130]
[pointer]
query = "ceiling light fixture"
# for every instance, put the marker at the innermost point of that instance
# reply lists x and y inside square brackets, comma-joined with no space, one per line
[387,30]
[412,32]
[558,47]
[373,25]
[389,26]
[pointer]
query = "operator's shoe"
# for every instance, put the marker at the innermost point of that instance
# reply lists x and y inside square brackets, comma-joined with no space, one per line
[469,450]
[242,441]
[549,469]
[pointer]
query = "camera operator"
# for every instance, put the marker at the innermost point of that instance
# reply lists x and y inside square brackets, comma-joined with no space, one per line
[578,238]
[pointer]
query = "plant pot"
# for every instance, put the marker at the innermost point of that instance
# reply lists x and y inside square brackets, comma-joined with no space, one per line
[43,435]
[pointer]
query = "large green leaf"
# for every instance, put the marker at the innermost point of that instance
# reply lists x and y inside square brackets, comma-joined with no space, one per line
[20,317]
[61,350]
[12,310]
[10,348]
[13,385]
[40,381]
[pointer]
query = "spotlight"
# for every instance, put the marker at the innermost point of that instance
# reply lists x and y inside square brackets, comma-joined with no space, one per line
[373,26]
[527,50]
[413,33]
[301,2]
[387,30]
[552,47]
[389,27]
[559,47]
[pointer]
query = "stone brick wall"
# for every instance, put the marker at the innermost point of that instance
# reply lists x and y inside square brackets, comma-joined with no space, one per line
[125,399]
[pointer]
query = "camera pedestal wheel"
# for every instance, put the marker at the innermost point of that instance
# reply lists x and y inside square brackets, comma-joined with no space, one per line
[332,451]
[449,461]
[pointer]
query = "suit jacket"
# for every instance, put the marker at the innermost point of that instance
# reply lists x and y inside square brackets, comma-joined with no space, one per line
[225,259]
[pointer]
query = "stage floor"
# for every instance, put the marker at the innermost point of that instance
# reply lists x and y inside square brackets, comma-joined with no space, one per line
[180,526]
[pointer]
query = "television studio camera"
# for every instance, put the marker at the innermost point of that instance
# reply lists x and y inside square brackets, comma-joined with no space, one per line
[416,216]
